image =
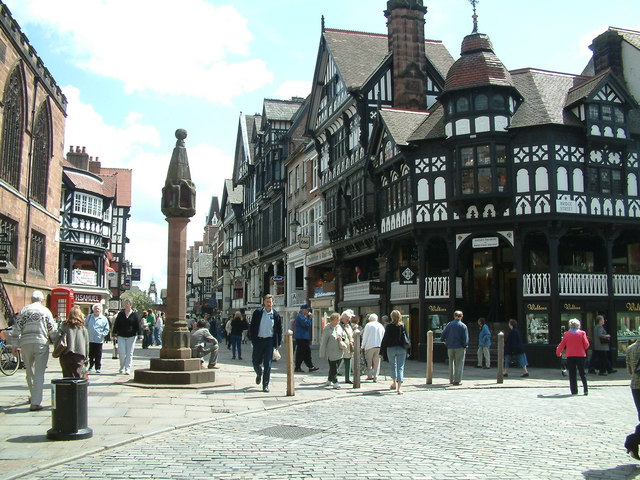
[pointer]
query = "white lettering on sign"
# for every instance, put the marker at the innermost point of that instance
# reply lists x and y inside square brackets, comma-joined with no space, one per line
[566,206]
[87,298]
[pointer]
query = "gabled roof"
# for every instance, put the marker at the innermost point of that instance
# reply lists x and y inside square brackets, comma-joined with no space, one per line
[244,145]
[401,123]
[586,88]
[122,178]
[214,209]
[283,110]
[431,127]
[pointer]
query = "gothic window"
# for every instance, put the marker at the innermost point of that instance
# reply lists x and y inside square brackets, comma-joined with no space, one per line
[423,190]
[440,189]
[37,252]
[10,228]
[562,179]
[12,129]
[522,181]
[41,156]
[542,180]
[632,185]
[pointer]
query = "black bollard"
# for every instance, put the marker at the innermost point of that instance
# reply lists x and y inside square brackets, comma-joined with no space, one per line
[69,415]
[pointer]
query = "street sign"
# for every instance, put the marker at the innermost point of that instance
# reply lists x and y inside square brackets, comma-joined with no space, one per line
[304,242]
[407,276]
[277,278]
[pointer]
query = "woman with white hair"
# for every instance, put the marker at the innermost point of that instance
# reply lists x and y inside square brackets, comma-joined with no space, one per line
[576,343]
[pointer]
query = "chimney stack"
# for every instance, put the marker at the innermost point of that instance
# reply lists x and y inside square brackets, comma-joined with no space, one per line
[405,24]
[607,53]
[78,158]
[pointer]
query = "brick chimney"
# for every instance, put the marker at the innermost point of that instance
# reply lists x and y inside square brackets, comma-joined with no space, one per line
[94,166]
[607,53]
[405,23]
[79,158]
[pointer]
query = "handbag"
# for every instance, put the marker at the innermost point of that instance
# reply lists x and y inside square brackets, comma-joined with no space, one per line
[276,354]
[604,339]
[406,341]
[61,346]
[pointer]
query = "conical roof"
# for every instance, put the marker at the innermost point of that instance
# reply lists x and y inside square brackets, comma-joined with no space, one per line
[478,66]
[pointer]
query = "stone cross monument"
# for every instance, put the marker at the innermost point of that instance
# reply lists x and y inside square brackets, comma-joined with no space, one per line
[175,365]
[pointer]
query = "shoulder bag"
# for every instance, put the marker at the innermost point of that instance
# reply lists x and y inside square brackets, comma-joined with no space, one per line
[61,346]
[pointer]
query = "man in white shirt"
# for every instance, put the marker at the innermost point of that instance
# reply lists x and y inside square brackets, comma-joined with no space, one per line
[98,328]
[371,340]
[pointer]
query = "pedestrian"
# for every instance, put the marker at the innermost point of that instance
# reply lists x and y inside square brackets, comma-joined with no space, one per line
[76,337]
[633,358]
[576,343]
[455,336]
[237,327]
[345,323]
[151,322]
[484,342]
[384,320]
[32,332]
[371,341]
[302,335]
[158,328]
[98,328]
[127,327]
[200,338]
[266,335]
[245,331]
[514,350]
[394,349]
[227,331]
[601,346]
[332,347]
[145,329]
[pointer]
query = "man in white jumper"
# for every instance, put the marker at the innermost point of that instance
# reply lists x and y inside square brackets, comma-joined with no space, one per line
[31,334]
[371,340]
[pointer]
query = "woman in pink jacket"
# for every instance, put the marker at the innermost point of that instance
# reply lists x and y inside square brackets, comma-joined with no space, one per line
[576,343]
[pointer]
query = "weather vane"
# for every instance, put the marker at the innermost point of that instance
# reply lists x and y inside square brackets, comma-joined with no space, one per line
[475,16]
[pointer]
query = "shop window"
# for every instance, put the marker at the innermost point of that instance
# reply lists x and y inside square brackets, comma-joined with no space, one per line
[628,330]
[538,327]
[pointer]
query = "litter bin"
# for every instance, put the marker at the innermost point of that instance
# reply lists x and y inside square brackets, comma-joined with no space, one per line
[69,412]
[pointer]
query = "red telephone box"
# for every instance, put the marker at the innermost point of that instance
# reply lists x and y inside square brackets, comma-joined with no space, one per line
[61,302]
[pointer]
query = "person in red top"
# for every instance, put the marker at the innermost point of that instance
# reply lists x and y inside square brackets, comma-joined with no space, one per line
[576,343]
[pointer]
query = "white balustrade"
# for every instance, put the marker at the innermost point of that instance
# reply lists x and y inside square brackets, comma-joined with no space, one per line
[583,284]
[403,292]
[625,284]
[536,284]
[358,291]
[436,287]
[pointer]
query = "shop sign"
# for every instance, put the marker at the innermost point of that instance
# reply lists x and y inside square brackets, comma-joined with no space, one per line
[437,309]
[376,288]
[114,304]
[485,242]
[84,277]
[277,278]
[537,307]
[319,257]
[251,256]
[304,242]
[225,262]
[136,274]
[87,298]
[571,307]
[633,306]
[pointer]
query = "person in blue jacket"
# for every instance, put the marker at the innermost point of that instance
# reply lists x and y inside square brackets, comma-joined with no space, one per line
[514,350]
[266,335]
[484,342]
[302,335]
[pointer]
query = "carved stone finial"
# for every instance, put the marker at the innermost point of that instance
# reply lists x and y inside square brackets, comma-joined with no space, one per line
[179,192]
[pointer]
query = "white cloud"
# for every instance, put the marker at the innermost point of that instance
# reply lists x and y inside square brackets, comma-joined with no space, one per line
[190,47]
[293,88]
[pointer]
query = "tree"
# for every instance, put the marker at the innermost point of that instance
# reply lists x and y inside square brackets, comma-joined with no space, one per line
[139,300]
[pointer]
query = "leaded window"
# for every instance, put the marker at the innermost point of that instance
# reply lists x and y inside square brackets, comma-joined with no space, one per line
[12,122]
[10,229]
[483,169]
[41,157]
[37,252]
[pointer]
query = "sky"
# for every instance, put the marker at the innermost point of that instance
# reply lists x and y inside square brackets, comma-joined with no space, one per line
[134,71]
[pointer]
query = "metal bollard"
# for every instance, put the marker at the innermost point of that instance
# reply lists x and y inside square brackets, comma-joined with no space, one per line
[429,357]
[288,345]
[356,358]
[500,358]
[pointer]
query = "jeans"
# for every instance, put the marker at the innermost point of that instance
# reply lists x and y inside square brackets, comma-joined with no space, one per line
[210,349]
[157,335]
[347,368]
[636,399]
[397,356]
[236,343]
[572,364]
[262,357]
[456,364]
[126,346]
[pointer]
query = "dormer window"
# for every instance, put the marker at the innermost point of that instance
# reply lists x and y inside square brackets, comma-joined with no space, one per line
[473,113]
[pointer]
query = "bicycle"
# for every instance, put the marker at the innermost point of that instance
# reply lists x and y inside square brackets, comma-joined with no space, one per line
[9,363]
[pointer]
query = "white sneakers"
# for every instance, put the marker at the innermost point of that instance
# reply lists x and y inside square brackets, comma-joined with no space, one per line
[336,385]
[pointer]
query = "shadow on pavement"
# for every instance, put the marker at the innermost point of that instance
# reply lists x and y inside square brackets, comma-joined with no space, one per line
[29,439]
[621,471]
[556,395]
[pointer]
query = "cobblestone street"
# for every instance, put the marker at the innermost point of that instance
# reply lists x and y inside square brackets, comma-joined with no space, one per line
[444,432]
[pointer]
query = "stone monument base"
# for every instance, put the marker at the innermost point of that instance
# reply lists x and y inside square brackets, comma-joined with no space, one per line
[182,371]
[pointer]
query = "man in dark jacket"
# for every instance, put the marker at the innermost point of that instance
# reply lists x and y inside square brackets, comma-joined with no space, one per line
[302,336]
[456,337]
[266,334]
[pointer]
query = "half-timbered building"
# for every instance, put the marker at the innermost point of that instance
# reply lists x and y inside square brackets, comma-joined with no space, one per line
[356,75]
[515,195]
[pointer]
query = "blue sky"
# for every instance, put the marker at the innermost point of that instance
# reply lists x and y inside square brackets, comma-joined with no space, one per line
[136,70]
